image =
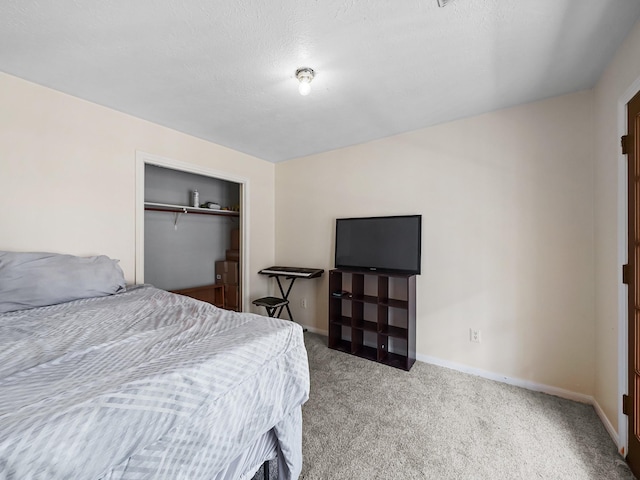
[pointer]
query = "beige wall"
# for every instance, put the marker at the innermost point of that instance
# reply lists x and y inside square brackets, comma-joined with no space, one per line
[621,74]
[521,233]
[507,206]
[67,176]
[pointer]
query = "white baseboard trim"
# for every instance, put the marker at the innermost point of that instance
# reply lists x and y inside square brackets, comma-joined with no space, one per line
[316,330]
[607,425]
[536,387]
[518,382]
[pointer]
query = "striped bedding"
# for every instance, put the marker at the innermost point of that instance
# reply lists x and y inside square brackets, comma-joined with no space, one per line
[146,385]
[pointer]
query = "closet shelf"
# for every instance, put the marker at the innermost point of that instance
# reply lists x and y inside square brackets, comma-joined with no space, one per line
[165,207]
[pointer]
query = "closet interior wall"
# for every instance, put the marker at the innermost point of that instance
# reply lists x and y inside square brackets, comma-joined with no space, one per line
[180,250]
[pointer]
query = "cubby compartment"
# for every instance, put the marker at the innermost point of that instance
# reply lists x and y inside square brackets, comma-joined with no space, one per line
[373,315]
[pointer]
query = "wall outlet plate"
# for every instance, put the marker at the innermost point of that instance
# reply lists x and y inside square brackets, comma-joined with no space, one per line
[474,335]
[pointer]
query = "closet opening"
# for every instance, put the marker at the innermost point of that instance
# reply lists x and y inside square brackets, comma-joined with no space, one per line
[186,242]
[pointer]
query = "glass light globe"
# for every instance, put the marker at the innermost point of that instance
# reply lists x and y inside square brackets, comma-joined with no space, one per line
[304,76]
[305,87]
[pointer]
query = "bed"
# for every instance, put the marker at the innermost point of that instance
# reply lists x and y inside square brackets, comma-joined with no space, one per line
[146,384]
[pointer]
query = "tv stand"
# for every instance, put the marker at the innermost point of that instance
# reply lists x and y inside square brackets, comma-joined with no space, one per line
[378,320]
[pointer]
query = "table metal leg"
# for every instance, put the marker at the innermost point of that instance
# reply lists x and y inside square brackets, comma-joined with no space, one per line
[286,296]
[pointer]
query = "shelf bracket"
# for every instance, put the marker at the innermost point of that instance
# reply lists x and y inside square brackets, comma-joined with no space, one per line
[176,217]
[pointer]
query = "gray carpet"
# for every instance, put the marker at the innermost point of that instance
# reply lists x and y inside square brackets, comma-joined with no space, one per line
[369,421]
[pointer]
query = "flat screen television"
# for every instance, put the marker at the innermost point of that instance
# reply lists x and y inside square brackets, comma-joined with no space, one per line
[385,244]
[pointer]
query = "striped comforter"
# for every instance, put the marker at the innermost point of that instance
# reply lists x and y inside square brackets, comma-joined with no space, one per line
[145,385]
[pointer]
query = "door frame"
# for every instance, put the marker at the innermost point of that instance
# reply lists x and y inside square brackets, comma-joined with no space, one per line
[144,158]
[623,299]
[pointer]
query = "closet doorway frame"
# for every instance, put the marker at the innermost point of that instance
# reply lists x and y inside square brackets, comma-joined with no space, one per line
[144,158]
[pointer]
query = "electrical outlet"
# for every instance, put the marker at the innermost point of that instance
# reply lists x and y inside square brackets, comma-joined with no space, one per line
[474,336]
[303,303]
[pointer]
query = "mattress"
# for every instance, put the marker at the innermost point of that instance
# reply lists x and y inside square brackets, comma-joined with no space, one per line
[146,385]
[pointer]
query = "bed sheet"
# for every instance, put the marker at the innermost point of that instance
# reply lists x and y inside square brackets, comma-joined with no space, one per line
[146,385]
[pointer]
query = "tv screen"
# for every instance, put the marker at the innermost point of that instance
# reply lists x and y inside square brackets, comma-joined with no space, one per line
[387,244]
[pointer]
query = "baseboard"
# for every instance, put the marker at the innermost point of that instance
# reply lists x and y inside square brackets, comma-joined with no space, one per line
[536,387]
[316,330]
[518,382]
[607,424]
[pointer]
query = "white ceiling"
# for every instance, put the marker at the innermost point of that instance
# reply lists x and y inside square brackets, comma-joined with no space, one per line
[224,70]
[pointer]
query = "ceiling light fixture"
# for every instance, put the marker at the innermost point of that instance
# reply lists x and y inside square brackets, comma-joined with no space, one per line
[443,3]
[304,76]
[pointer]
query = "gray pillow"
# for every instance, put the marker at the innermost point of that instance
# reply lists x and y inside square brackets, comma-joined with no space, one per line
[29,280]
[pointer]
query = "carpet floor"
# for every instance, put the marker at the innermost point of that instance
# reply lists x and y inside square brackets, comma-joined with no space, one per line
[364,420]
